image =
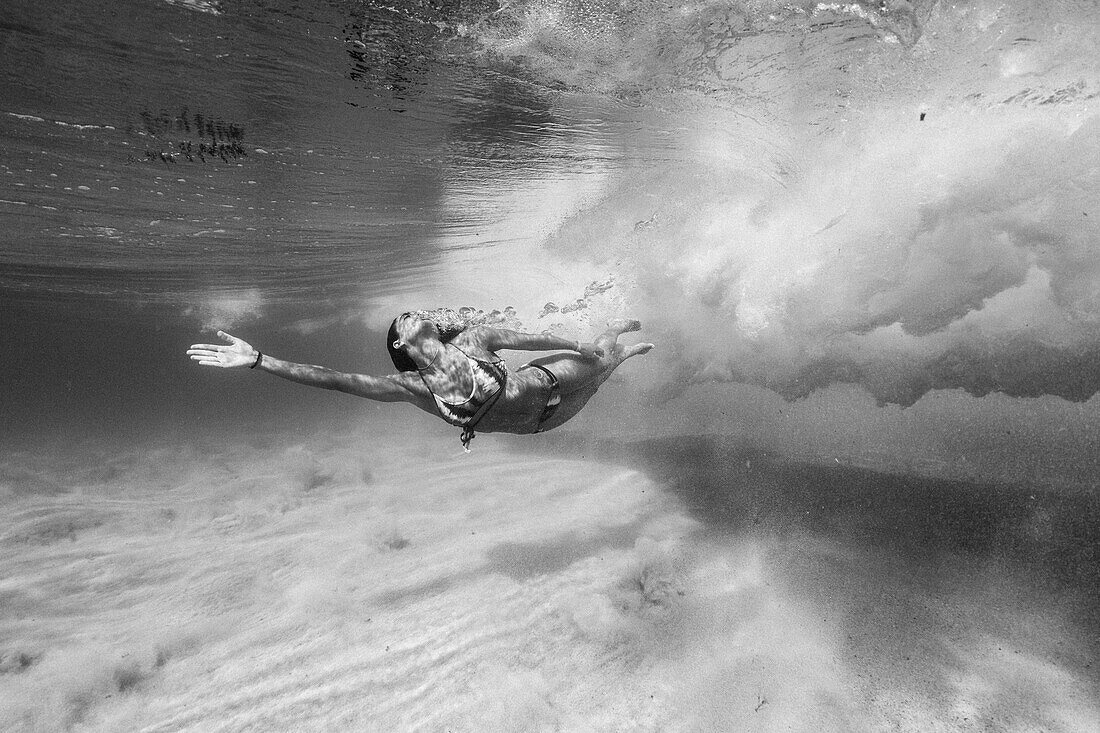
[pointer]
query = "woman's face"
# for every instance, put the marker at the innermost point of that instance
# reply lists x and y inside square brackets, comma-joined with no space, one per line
[412,329]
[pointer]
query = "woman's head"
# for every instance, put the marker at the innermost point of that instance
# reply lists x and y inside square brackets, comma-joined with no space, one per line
[441,323]
[416,326]
[395,344]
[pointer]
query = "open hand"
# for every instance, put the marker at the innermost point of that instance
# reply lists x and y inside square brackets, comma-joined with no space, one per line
[237,354]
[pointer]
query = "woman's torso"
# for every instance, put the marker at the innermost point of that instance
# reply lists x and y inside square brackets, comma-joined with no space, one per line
[468,376]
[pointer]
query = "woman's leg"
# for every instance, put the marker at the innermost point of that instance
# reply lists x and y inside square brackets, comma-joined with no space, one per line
[576,374]
[574,401]
[578,379]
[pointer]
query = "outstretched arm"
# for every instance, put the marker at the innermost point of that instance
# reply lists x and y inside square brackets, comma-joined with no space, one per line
[239,353]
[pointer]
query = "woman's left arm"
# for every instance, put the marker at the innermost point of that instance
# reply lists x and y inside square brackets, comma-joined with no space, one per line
[499,338]
[239,353]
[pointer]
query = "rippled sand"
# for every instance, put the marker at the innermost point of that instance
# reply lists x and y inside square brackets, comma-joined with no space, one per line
[368,586]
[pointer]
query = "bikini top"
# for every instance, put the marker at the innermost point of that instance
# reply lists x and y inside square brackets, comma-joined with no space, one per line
[489,378]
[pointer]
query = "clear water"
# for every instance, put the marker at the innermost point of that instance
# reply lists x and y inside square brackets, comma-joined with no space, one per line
[860,234]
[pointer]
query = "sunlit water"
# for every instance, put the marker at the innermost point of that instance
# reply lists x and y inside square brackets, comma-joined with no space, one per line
[853,487]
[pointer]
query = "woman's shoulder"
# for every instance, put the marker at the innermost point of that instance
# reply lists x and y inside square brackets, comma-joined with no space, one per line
[478,338]
[409,381]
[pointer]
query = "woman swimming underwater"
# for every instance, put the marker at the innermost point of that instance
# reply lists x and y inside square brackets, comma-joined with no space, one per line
[451,368]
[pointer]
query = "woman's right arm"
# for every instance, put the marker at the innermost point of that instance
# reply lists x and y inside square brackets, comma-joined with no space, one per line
[239,353]
[500,338]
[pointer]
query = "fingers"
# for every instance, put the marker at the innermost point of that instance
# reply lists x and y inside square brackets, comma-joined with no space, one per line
[212,348]
[207,360]
[207,356]
[219,355]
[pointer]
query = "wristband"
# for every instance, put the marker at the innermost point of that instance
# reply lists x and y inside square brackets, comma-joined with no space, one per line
[259,358]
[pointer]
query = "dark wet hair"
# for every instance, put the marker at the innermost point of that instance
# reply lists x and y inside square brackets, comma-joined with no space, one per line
[400,359]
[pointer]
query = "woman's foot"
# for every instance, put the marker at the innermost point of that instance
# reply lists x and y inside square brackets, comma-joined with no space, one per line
[625,352]
[624,325]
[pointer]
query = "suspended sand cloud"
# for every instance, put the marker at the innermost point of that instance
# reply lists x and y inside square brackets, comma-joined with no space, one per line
[972,270]
[228,309]
[935,236]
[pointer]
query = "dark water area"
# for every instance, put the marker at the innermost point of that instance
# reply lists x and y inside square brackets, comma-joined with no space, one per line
[119,380]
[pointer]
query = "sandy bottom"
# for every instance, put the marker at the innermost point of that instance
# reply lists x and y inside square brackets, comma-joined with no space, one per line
[357,586]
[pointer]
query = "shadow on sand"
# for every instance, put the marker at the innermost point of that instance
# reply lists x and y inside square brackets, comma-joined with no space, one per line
[955,602]
[1051,535]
